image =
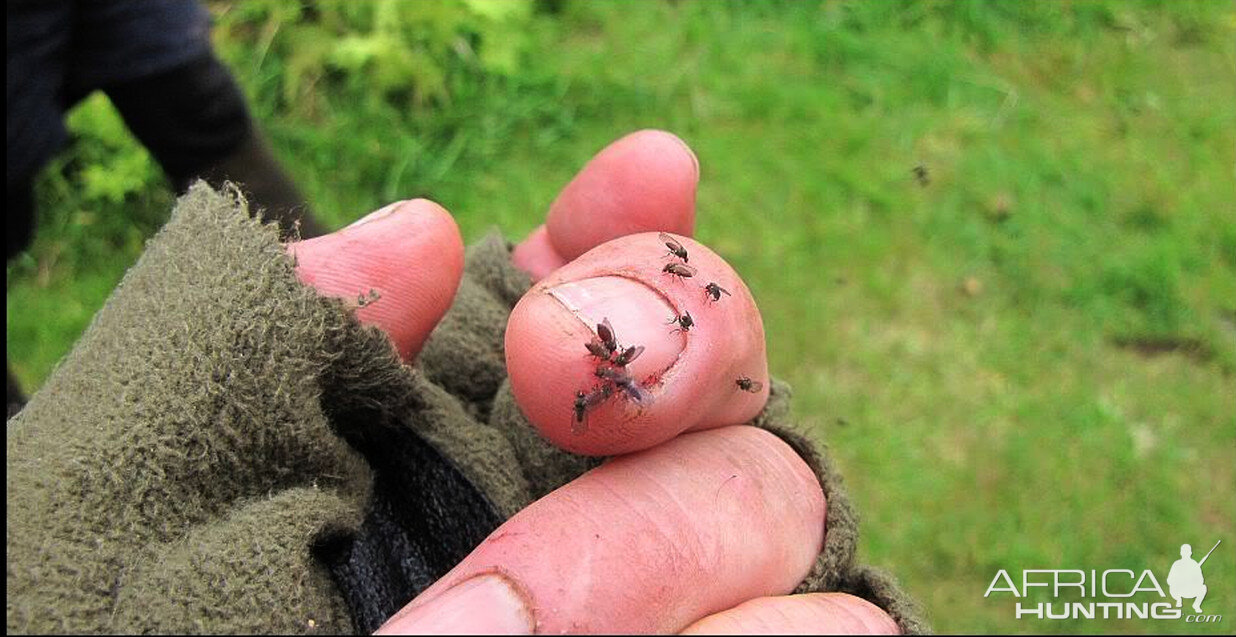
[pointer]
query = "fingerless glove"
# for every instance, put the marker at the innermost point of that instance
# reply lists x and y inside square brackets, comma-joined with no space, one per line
[225,450]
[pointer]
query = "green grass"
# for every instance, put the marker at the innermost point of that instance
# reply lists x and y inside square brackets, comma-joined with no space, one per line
[1020,365]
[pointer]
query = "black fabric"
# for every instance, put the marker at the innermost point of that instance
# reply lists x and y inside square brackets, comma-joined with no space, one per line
[58,51]
[38,35]
[17,238]
[424,517]
[152,58]
[19,227]
[270,191]
[14,398]
[189,118]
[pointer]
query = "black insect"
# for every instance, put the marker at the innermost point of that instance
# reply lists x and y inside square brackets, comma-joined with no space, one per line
[921,174]
[586,401]
[605,344]
[748,385]
[612,374]
[581,408]
[684,321]
[626,383]
[629,354]
[680,270]
[675,248]
[714,291]
[606,332]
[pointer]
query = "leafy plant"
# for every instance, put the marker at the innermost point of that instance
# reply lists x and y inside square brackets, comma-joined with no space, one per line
[415,53]
[113,165]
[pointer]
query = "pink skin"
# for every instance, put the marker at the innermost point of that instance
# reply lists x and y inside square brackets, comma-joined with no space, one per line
[638,177]
[809,614]
[697,369]
[537,255]
[730,514]
[409,252]
[644,181]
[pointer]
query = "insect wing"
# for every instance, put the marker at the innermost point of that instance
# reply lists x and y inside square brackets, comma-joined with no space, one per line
[680,269]
[670,242]
[599,396]
[629,355]
[638,394]
[613,375]
[597,348]
[606,332]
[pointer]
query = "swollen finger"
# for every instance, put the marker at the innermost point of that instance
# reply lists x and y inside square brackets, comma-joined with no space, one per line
[703,361]
[648,542]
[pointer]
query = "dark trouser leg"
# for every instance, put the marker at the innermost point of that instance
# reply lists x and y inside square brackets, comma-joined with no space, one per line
[19,228]
[194,121]
[14,398]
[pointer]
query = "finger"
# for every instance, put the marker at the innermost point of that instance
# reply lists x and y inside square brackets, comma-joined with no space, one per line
[810,614]
[409,253]
[648,542]
[644,181]
[691,376]
[536,255]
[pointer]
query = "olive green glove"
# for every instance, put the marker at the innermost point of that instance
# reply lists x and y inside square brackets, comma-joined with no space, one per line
[224,450]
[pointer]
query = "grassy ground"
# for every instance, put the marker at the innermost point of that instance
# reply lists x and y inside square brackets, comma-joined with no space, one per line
[1018,365]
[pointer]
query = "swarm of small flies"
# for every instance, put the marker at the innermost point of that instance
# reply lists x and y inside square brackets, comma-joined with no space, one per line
[611,373]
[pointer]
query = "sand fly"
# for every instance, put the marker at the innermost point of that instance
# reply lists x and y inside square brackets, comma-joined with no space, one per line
[921,174]
[748,385]
[675,248]
[680,270]
[581,407]
[605,343]
[684,321]
[626,383]
[606,332]
[586,401]
[629,354]
[714,291]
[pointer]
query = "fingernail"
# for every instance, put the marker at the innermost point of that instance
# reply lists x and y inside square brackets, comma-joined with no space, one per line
[695,161]
[638,314]
[380,213]
[485,604]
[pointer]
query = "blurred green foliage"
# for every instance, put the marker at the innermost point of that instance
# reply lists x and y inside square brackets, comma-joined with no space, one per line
[411,53]
[1024,363]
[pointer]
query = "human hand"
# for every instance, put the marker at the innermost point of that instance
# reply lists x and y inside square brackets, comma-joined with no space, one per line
[702,525]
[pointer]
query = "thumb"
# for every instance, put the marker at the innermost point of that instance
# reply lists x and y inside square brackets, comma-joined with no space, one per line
[409,254]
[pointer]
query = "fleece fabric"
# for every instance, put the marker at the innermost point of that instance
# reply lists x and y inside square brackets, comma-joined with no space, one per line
[226,451]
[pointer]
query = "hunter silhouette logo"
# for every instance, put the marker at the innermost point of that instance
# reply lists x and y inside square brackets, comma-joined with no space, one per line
[1113,593]
[1185,579]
